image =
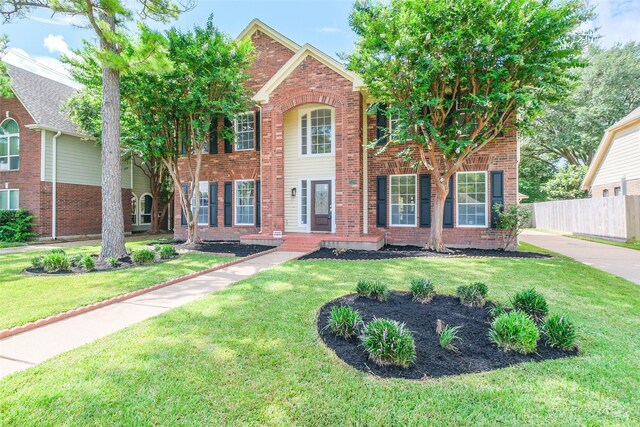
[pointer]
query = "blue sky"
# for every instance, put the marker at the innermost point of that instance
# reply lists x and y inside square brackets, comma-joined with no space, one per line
[37,41]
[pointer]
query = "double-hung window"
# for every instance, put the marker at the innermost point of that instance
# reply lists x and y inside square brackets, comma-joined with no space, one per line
[200,208]
[9,145]
[316,132]
[403,200]
[471,197]
[245,202]
[244,131]
[9,199]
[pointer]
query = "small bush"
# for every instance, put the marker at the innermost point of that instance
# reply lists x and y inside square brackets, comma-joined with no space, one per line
[36,261]
[55,262]
[75,260]
[374,289]
[497,310]
[344,321]
[388,343]
[559,332]
[422,290]
[448,335]
[473,295]
[57,251]
[165,251]
[87,263]
[143,256]
[533,303]
[113,262]
[15,226]
[515,331]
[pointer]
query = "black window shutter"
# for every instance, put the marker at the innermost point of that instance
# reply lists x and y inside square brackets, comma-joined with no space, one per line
[381,201]
[228,141]
[497,194]
[227,204]
[448,207]
[258,203]
[213,137]
[257,129]
[425,200]
[381,125]
[213,204]
[183,217]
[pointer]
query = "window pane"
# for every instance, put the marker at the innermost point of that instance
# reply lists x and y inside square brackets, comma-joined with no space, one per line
[14,162]
[4,199]
[4,146]
[472,197]
[303,202]
[14,145]
[4,163]
[10,126]
[244,131]
[13,199]
[320,131]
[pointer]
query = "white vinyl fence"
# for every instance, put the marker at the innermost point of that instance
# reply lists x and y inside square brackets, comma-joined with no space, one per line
[609,217]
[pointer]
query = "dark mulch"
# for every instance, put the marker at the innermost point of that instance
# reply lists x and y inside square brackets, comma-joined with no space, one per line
[225,247]
[476,352]
[394,252]
[100,266]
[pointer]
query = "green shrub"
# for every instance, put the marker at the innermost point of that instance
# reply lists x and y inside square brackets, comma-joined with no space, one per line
[374,289]
[15,226]
[87,263]
[559,332]
[165,251]
[388,343]
[448,335]
[36,261]
[75,260]
[344,321]
[422,290]
[497,310]
[55,261]
[143,256]
[473,295]
[515,331]
[531,302]
[57,251]
[113,262]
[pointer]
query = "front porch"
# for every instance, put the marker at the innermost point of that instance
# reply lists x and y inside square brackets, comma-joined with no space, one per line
[307,242]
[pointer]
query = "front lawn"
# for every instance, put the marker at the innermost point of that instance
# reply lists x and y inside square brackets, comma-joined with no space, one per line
[25,298]
[250,354]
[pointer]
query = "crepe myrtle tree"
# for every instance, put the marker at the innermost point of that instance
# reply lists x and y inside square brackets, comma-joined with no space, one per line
[108,19]
[454,73]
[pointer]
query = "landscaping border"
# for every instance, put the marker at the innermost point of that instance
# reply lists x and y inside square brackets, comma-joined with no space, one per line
[5,333]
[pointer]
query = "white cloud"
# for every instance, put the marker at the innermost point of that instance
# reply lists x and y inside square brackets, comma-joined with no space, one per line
[617,21]
[330,30]
[42,65]
[56,44]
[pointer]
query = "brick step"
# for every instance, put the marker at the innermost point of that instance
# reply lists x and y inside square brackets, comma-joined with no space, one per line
[298,247]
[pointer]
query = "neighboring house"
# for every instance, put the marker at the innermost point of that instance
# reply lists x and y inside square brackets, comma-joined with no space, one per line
[54,171]
[297,165]
[615,169]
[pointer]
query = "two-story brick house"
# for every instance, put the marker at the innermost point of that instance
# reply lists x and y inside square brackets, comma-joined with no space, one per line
[298,165]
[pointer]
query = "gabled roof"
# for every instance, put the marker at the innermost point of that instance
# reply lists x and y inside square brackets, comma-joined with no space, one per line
[43,98]
[262,96]
[257,24]
[629,120]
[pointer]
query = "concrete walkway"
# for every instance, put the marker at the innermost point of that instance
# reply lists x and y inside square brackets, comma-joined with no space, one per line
[616,260]
[32,347]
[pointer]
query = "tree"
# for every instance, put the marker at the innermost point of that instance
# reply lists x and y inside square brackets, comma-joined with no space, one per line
[5,81]
[455,72]
[565,184]
[108,19]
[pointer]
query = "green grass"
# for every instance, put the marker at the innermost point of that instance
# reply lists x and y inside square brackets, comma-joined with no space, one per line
[250,355]
[10,245]
[25,298]
[634,245]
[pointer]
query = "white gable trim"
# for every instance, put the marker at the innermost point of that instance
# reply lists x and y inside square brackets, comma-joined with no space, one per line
[257,25]
[262,96]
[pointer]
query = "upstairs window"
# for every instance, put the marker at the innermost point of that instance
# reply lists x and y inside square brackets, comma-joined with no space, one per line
[244,127]
[9,145]
[316,132]
[200,208]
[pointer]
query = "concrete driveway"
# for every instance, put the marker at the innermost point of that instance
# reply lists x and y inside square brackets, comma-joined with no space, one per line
[616,260]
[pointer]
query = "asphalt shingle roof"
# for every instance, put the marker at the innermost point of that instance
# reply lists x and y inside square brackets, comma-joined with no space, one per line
[43,98]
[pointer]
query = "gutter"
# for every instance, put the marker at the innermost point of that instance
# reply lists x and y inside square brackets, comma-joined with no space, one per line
[52,129]
[54,186]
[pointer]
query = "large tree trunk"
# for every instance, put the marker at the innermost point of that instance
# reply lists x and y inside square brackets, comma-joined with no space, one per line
[112,213]
[435,242]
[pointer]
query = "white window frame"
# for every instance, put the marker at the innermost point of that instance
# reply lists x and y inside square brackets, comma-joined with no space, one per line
[308,112]
[300,204]
[235,203]
[9,191]
[236,132]
[415,217]
[140,211]
[486,200]
[8,136]
[195,205]
[134,215]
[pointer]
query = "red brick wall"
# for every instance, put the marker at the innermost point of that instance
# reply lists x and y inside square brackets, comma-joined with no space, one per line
[500,155]
[270,56]
[27,178]
[633,188]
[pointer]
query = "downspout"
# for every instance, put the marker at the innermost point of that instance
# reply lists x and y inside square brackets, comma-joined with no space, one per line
[365,168]
[261,181]
[54,188]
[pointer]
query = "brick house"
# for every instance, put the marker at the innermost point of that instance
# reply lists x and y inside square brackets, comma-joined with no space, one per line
[52,170]
[298,166]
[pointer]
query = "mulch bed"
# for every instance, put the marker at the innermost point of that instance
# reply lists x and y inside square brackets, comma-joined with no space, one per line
[476,352]
[100,266]
[225,247]
[394,252]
